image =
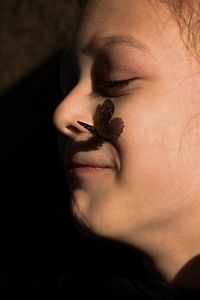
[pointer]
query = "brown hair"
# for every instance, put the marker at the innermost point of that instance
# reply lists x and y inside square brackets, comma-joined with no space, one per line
[187,13]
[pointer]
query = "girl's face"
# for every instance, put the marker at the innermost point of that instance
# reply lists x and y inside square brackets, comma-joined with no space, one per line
[149,178]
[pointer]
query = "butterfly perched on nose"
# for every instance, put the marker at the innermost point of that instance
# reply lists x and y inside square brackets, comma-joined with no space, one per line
[106,129]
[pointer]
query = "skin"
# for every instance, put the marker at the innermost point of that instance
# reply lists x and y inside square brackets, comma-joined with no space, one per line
[149,196]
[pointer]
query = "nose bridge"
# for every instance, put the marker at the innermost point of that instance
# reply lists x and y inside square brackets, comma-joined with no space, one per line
[78,105]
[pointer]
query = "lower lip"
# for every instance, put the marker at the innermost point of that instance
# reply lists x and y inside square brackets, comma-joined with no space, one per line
[86,170]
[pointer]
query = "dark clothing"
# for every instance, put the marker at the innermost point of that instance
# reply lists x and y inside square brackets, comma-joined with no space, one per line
[154,289]
[138,289]
[124,289]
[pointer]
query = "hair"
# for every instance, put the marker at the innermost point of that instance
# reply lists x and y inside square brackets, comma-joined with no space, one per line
[187,14]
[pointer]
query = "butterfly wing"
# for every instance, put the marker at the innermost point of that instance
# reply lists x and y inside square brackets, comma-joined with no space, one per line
[114,128]
[105,115]
[108,130]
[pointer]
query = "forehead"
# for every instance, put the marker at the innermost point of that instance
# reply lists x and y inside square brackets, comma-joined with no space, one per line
[143,18]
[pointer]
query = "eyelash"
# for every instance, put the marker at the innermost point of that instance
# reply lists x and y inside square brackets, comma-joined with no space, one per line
[113,84]
[109,88]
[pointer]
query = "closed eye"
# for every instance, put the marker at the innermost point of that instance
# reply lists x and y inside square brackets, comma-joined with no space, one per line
[114,83]
[110,87]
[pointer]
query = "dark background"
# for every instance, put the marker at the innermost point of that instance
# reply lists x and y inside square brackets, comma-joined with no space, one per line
[42,248]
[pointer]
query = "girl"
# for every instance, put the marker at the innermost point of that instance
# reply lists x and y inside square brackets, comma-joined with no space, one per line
[130,135]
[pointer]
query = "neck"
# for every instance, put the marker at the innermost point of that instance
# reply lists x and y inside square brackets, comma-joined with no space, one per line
[174,255]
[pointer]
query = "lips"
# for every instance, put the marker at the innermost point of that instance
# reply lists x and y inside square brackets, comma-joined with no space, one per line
[78,160]
[82,164]
[86,164]
[87,170]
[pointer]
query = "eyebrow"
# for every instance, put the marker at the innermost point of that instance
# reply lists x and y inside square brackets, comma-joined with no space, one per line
[98,44]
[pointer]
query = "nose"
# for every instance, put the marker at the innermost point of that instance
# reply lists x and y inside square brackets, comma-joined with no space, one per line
[76,106]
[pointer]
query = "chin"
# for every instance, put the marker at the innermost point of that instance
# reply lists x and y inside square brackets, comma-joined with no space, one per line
[93,220]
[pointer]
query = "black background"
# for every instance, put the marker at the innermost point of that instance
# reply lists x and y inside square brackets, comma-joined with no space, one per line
[41,247]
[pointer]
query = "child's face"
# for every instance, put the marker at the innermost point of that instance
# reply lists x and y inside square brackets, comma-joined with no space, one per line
[152,179]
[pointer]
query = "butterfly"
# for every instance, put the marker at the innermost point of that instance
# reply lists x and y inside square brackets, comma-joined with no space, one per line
[106,128]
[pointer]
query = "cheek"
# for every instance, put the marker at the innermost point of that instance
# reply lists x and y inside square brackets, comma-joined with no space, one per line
[149,156]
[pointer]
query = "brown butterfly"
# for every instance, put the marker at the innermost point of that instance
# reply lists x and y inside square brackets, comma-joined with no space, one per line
[106,128]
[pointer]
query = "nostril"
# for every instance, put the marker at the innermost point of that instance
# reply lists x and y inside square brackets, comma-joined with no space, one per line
[73,129]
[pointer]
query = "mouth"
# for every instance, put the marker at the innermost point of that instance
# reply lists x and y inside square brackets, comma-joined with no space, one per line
[79,169]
